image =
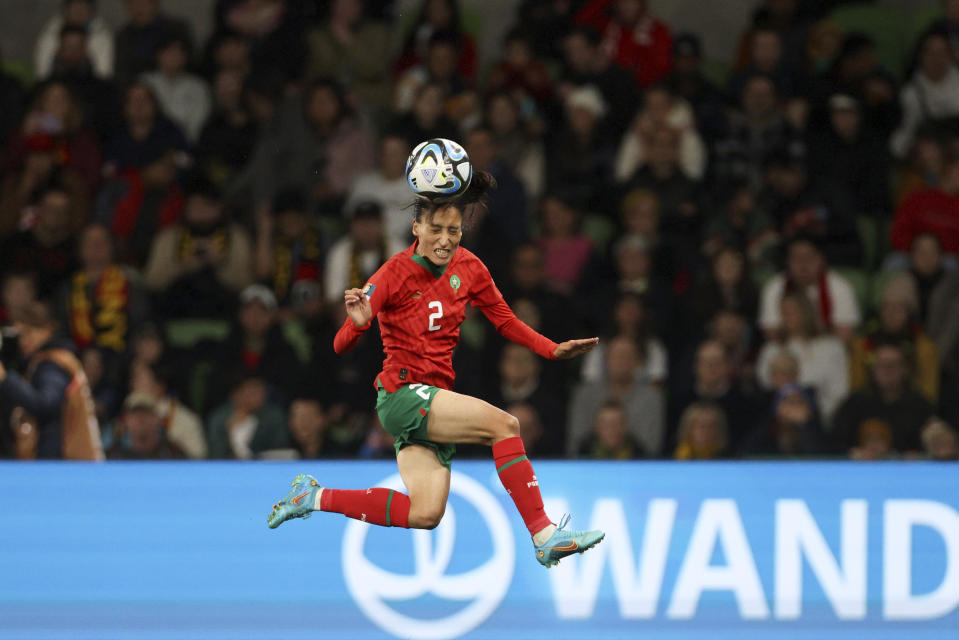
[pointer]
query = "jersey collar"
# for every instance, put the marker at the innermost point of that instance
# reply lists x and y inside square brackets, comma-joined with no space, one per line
[437,271]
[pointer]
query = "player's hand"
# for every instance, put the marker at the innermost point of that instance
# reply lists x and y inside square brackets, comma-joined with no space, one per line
[358,307]
[573,348]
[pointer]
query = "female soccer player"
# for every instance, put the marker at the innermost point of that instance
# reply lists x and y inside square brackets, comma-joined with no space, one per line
[420,297]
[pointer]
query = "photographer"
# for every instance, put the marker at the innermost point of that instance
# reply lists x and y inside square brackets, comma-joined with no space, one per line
[54,415]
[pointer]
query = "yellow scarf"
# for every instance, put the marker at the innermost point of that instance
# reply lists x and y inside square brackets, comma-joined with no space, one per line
[284,271]
[102,320]
[188,243]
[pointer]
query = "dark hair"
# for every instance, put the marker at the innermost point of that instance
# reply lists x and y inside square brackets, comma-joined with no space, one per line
[587,33]
[476,193]
[67,29]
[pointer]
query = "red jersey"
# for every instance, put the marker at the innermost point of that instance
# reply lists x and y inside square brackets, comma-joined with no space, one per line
[420,308]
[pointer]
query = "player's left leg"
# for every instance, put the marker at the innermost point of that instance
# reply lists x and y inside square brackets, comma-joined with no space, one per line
[454,417]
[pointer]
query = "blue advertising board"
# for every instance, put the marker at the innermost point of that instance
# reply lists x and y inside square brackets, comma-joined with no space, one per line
[744,550]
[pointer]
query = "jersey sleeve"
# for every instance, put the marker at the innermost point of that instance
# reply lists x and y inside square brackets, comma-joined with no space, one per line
[377,289]
[486,297]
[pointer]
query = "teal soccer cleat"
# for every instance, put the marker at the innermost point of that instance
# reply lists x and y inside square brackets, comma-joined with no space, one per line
[563,543]
[298,503]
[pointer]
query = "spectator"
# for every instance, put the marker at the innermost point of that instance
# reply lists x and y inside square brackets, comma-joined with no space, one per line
[935,282]
[734,332]
[184,97]
[940,442]
[427,118]
[630,319]
[579,160]
[47,247]
[741,224]
[288,247]
[822,48]
[355,257]
[640,215]
[106,393]
[387,186]
[56,112]
[527,281]
[874,441]
[585,65]
[18,291]
[949,23]
[54,416]
[519,73]
[102,303]
[837,309]
[797,205]
[642,401]
[247,424]
[931,98]
[661,110]
[923,168]
[522,380]
[566,249]
[141,435]
[72,67]
[197,265]
[853,158]
[751,133]
[438,16]
[792,428]
[890,400]
[517,146]
[80,14]
[632,37]
[897,322]
[139,202]
[496,229]
[273,29]
[146,133]
[354,51]
[823,364]
[610,438]
[42,164]
[766,57]
[633,273]
[726,286]
[137,41]
[308,429]
[439,68]
[687,82]
[182,428]
[702,432]
[256,345]
[934,210]
[319,148]
[713,382]
[226,141]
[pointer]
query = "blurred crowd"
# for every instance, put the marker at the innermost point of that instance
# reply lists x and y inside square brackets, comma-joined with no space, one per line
[767,244]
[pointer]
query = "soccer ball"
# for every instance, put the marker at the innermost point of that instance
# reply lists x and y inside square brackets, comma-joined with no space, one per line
[439,169]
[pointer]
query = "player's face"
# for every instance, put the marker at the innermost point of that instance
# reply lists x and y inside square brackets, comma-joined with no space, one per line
[439,234]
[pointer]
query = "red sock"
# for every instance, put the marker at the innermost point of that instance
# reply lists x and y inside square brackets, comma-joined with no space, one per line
[516,474]
[384,507]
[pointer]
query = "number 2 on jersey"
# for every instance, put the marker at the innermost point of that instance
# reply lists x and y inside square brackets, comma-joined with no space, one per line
[436,304]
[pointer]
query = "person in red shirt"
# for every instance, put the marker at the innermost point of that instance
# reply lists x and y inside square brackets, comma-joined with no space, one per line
[420,297]
[631,37]
[934,210]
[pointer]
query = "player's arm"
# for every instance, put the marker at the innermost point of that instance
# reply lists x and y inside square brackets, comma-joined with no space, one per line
[488,299]
[362,305]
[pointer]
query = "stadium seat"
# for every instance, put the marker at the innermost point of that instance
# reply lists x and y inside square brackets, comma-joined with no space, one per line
[716,71]
[298,338]
[187,332]
[888,27]
[879,281]
[859,279]
[599,229]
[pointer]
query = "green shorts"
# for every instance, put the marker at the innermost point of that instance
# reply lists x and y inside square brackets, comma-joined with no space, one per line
[404,414]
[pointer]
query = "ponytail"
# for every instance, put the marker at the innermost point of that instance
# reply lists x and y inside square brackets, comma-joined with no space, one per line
[476,194]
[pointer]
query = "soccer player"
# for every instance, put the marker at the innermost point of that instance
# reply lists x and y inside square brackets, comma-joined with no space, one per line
[420,297]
